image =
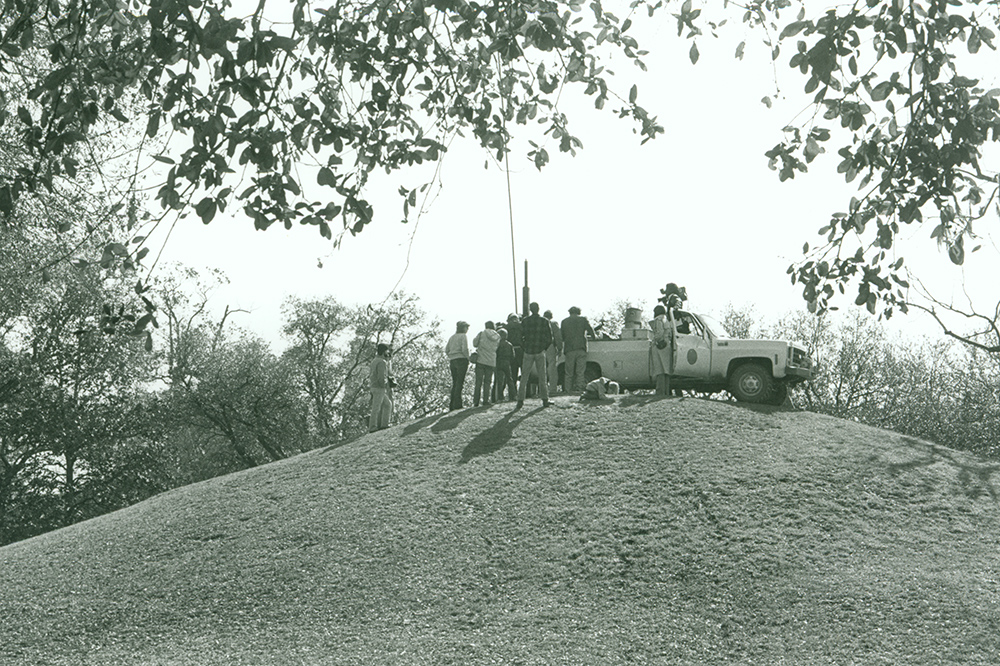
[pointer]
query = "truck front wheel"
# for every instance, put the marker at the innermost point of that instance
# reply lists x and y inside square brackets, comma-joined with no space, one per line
[752,383]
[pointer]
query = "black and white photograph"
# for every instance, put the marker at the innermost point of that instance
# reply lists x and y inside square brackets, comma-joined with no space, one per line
[526,332]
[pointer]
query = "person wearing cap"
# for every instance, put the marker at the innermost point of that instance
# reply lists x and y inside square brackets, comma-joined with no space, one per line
[503,379]
[457,351]
[575,329]
[379,381]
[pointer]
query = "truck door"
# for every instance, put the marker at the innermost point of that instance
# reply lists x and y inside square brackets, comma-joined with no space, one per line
[692,349]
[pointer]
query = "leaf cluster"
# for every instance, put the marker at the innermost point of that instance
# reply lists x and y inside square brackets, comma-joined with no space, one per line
[287,119]
[887,78]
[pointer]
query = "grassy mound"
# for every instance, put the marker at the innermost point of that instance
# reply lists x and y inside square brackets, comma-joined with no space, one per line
[641,531]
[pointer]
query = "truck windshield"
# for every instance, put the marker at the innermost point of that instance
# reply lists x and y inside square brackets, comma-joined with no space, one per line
[715,327]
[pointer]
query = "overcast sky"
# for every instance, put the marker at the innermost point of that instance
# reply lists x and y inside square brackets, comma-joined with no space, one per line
[697,206]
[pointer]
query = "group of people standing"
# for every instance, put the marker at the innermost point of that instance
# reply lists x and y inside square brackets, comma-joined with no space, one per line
[508,356]
[511,355]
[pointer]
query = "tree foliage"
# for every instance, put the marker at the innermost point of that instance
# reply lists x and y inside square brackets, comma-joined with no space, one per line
[223,382]
[242,394]
[285,111]
[899,84]
[76,423]
[289,117]
[315,329]
[332,347]
[739,322]
[938,390]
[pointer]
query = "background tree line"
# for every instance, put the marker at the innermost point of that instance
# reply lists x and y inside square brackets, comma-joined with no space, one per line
[940,389]
[92,418]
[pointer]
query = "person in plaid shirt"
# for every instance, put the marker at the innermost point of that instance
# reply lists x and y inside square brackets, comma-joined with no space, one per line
[536,336]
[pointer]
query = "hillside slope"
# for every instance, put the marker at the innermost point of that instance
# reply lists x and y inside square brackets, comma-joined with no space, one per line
[639,532]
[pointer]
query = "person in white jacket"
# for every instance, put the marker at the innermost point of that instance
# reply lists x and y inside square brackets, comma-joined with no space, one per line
[661,349]
[485,342]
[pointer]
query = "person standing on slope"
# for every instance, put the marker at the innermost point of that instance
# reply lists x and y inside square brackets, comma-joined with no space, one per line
[575,330]
[485,342]
[457,351]
[552,354]
[536,337]
[514,338]
[661,349]
[379,382]
[504,380]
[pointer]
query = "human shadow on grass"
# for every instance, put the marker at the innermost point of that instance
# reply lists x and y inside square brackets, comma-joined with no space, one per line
[443,422]
[342,443]
[976,479]
[497,436]
[420,424]
[453,419]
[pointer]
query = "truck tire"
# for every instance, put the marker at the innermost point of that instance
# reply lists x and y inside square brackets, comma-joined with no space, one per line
[591,372]
[752,382]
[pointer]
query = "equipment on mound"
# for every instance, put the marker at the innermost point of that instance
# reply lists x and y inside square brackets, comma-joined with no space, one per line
[673,296]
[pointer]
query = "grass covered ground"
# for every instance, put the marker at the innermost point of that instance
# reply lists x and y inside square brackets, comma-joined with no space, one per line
[642,531]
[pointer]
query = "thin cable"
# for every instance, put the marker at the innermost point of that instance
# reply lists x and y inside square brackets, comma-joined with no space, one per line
[506,162]
[433,188]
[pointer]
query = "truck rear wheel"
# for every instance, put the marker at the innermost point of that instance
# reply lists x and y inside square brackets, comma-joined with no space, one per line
[752,382]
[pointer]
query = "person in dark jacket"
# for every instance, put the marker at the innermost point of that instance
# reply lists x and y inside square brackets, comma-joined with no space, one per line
[536,337]
[514,338]
[504,379]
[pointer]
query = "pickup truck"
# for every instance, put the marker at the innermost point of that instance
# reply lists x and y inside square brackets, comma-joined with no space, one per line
[756,371]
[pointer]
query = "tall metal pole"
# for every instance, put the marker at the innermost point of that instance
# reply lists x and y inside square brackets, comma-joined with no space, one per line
[526,296]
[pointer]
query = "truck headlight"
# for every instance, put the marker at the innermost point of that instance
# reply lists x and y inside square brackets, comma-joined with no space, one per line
[800,358]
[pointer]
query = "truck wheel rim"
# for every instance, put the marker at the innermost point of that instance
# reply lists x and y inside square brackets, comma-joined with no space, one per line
[751,384]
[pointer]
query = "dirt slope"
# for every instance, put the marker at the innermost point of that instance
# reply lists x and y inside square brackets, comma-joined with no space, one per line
[642,531]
